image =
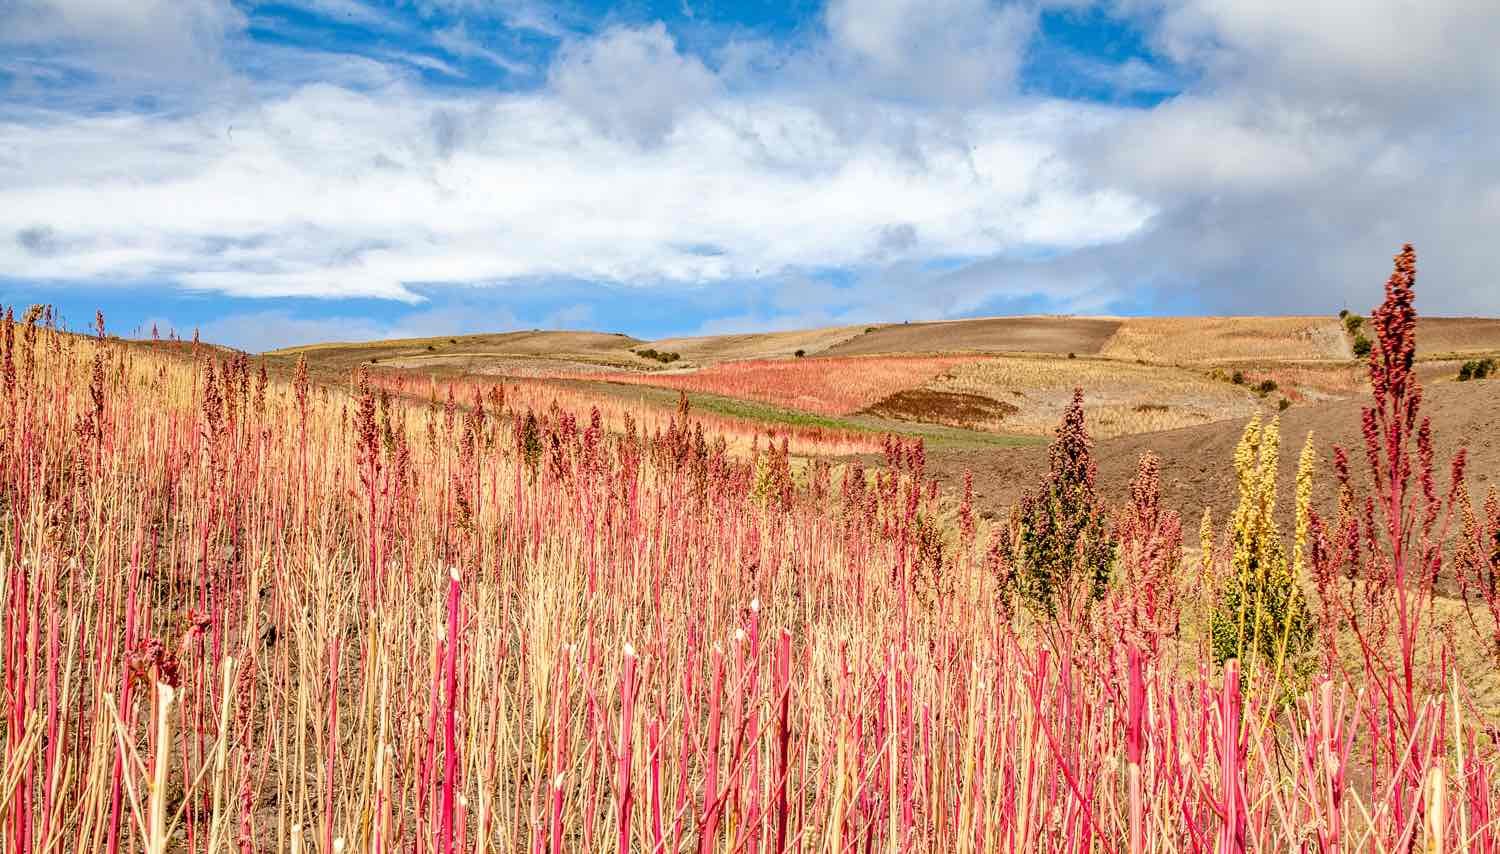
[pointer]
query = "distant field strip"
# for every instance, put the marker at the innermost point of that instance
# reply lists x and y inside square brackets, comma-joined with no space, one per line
[1120,397]
[827,386]
[1201,339]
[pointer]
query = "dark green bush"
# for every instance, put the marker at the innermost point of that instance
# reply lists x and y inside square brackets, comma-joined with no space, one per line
[1238,378]
[1266,386]
[657,355]
[1476,369]
[1362,346]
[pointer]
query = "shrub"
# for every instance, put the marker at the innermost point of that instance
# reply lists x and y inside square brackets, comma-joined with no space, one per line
[1343,313]
[1266,386]
[1072,355]
[1362,346]
[1238,378]
[1476,369]
[1353,323]
[1284,404]
[665,358]
[800,353]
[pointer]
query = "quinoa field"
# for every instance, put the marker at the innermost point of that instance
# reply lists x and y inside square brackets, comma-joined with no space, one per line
[255,613]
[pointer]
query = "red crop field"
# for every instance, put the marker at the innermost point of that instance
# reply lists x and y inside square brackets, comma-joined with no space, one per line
[247,614]
[828,386]
[620,414]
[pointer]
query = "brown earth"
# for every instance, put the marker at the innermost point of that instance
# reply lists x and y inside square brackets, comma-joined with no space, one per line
[1437,335]
[929,406]
[986,335]
[1196,461]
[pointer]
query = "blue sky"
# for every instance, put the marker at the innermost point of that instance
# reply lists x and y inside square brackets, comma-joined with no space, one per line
[280,172]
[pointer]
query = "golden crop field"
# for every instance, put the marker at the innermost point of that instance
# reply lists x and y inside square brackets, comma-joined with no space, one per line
[1119,397]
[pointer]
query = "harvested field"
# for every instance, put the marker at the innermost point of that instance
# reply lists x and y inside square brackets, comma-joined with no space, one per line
[1437,335]
[1194,458]
[943,407]
[1183,340]
[986,335]
[1120,397]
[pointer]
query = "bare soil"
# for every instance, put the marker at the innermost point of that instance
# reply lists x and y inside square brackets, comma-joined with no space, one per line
[955,409]
[1196,460]
[1457,335]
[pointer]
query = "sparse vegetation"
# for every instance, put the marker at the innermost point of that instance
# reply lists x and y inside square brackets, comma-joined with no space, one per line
[1476,369]
[651,353]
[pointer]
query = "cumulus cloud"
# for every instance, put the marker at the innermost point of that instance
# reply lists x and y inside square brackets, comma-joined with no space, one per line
[631,82]
[151,39]
[945,51]
[894,145]
[333,192]
[1317,139]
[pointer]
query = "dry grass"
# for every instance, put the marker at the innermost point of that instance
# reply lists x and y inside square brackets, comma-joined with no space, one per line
[1120,397]
[496,365]
[1059,335]
[1183,340]
[758,345]
[596,348]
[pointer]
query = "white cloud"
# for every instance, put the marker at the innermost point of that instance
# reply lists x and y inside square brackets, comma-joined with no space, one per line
[331,192]
[1315,139]
[130,38]
[965,51]
[631,82]
[457,41]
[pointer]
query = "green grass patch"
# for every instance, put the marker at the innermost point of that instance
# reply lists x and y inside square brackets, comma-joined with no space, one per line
[935,435]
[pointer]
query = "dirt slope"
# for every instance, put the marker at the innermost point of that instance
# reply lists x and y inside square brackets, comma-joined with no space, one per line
[990,335]
[1457,335]
[1196,460]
